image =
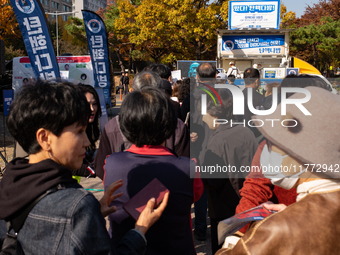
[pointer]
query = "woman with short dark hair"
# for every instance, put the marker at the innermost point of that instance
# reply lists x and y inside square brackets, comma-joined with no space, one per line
[147,118]
[49,120]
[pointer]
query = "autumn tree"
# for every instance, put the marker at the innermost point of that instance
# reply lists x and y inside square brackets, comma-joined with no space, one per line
[167,30]
[69,44]
[195,24]
[9,28]
[136,2]
[11,53]
[120,20]
[314,14]
[224,11]
[147,26]
[315,42]
[287,18]
[330,42]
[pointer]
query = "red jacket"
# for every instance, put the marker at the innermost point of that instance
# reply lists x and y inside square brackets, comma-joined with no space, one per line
[257,189]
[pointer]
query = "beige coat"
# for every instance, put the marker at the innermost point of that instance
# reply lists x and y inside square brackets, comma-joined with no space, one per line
[310,226]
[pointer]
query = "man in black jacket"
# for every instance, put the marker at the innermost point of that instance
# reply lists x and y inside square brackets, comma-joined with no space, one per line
[253,82]
[200,133]
[229,152]
[126,82]
[165,73]
[121,83]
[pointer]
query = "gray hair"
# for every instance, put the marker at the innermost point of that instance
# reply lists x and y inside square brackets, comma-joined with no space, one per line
[146,79]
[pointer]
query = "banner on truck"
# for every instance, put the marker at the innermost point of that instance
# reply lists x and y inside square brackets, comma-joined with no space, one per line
[33,25]
[242,45]
[79,70]
[274,73]
[8,98]
[254,14]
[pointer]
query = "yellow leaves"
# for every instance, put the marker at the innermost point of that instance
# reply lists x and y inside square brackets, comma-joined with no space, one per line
[8,23]
[125,24]
[289,16]
[225,10]
[172,24]
[286,17]
[170,58]
[283,11]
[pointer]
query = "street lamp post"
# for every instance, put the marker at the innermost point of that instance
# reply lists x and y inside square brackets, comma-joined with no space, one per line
[56,14]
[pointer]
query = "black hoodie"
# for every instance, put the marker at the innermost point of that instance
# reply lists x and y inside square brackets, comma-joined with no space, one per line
[22,183]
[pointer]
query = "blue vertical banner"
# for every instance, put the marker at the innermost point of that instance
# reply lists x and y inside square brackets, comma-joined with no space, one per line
[37,38]
[97,40]
[104,118]
[8,98]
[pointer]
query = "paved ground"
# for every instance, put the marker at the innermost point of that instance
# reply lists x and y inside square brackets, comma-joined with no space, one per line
[94,185]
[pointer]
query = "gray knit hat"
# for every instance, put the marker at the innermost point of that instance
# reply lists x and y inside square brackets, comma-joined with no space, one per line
[316,138]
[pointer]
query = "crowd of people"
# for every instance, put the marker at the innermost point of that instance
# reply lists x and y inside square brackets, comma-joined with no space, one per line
[175,132]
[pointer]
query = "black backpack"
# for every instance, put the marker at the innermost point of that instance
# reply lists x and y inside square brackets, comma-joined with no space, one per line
[9,244]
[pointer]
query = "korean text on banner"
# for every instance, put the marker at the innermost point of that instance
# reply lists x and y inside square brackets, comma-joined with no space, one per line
[8,98]
[254,14]
[104,118]
[97,40]
[239,45]
[37,38]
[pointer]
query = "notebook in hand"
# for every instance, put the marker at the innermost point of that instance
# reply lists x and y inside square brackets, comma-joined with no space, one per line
[136,204]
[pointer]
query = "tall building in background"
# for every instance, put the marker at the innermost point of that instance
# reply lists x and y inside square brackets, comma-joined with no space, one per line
[90,5]
[59,6]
